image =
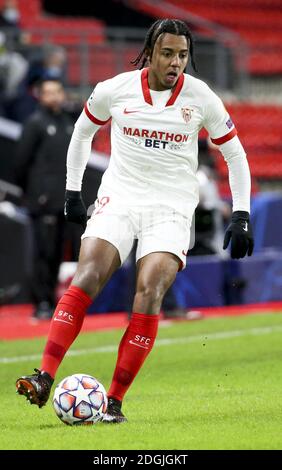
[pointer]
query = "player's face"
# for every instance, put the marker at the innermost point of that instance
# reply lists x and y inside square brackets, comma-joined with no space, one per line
[52,95]
[168,61]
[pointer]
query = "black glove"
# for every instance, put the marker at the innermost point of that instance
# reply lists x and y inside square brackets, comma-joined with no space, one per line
[74,209]
[240,234]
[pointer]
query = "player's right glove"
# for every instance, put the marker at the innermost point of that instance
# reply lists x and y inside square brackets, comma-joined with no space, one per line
[240,234]
[74,209]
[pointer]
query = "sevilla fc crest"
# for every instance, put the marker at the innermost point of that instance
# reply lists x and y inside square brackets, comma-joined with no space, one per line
[187,114]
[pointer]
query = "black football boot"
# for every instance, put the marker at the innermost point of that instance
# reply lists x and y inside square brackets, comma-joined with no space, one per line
[36,387]
[114,414]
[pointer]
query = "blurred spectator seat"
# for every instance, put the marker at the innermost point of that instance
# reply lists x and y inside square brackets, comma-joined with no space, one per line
[103,62]
[258,22]
[58,30]
[259,129]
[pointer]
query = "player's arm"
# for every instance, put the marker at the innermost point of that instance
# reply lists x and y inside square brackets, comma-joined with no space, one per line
[95,113]
[224,134]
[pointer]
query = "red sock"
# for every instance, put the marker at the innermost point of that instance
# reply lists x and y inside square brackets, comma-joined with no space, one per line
[134,347]
[65,326]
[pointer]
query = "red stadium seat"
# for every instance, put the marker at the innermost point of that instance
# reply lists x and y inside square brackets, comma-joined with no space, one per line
[258,22]
[65,31]
[259,129]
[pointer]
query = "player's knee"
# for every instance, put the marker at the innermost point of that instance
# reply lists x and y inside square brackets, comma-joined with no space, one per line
[149,294]
[89,279]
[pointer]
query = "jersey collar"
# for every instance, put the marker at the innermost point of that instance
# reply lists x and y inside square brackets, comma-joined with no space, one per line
[146,89]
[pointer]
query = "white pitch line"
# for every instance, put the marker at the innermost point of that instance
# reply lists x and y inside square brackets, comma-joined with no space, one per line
[264,330]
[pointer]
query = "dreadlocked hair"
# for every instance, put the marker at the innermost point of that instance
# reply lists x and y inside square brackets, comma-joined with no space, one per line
[176,27]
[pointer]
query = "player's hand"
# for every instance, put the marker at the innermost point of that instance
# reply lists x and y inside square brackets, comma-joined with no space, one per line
[74,209]
[240,234]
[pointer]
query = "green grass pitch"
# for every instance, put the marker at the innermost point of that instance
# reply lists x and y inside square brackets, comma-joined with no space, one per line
[208,384]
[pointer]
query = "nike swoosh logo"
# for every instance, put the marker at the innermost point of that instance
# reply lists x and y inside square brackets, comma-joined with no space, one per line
[185,254]
[246,227]
[63,321]
[139,345]
[128,112]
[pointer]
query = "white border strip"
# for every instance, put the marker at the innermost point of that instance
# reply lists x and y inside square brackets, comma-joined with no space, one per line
[10,129]
[204,337]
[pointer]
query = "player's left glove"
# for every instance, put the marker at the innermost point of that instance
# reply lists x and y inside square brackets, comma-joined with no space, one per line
[240,234]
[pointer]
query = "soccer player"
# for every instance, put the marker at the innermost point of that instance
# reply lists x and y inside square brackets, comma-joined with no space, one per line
[148,192]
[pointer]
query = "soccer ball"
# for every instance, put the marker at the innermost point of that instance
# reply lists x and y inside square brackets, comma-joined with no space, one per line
[80,399]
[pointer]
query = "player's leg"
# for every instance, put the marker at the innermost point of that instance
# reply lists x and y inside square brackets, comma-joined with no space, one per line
[155,274]
[97,262]
[106,243]
[164,236]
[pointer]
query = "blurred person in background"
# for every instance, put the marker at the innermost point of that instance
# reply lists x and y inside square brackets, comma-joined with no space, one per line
[149,192]
[210,215]
[43,64]
[10,14]
[40,171]
[10,17]
[50,62]
[10,21]
[13,69]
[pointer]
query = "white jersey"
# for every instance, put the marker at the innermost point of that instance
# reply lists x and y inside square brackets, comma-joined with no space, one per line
[154,136]
[154,140]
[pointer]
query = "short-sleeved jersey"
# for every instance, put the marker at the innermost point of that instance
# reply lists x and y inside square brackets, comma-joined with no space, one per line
[154,137]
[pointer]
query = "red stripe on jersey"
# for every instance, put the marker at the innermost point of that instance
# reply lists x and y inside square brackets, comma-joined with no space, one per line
[146,89]
[92,118]
[176,91]
[225,138]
